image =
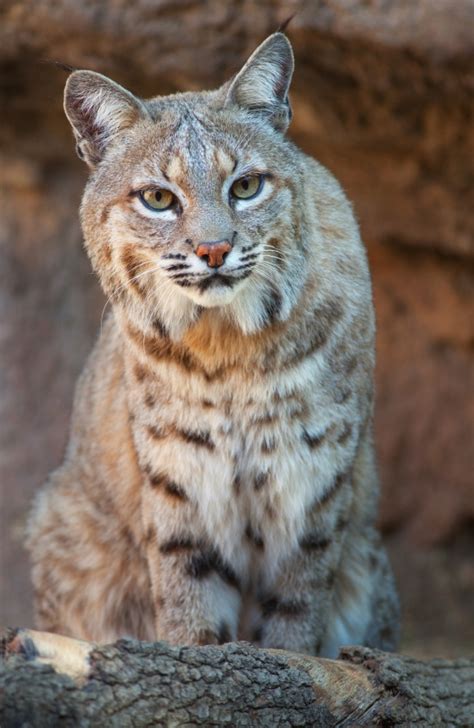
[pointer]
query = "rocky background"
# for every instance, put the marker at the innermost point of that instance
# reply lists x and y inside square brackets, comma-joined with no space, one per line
[383,95]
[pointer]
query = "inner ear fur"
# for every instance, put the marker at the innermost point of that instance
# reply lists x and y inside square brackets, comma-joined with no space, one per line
[98,110]
[262,85]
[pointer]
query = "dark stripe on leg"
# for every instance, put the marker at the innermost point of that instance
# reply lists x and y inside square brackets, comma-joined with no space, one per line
[203,564]
[284,608]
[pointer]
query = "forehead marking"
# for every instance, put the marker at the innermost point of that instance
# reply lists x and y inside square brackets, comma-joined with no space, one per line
[175,167]
[225,161]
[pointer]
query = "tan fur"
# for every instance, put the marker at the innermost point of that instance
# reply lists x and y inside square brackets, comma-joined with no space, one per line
[220,478]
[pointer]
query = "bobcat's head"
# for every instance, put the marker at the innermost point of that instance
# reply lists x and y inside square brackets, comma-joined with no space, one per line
[193,198]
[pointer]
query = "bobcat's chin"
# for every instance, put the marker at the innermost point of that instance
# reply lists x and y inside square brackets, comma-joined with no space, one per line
[218,290]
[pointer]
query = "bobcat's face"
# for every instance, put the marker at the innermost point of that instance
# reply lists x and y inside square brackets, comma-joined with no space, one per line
[193,198]
[190,209]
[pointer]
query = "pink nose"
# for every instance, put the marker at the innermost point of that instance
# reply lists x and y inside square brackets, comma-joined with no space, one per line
[214,253]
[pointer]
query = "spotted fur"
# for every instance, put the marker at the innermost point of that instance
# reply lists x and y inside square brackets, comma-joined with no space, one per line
[220,478]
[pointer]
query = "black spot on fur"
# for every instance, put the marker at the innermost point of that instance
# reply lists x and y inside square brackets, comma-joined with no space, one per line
[261,480]
[313,441]
[227,573]
[160,481]
[150,535]
[341,394]
[265,419]
[237,484]
[314,542]
[338,481]
[345,434]
[207,561]
[133,267]
[201,439]
[140,372]
[272,306]
[224,634]
[177,545]
[257,634]
[254,537]
[268,445]
[342,523]
[159,327]
[284,608]
[156,433]
[175,490]
[323,321]
[200,565]
[149,400]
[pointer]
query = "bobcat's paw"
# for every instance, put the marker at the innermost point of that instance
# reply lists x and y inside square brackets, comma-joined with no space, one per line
[64,654]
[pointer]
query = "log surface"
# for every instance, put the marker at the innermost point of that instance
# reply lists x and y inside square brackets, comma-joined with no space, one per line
[140,684]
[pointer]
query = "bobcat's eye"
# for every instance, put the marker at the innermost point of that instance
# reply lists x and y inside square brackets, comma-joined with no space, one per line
[157,199]
[247,187]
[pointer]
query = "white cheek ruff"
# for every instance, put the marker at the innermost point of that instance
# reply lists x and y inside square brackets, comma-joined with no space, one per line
[164,216]
[267,189]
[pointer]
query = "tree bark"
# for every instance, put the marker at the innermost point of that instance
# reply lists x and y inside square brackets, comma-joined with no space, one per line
[46,681]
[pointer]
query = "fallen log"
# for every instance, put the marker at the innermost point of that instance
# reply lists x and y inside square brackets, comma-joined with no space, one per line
[46,681]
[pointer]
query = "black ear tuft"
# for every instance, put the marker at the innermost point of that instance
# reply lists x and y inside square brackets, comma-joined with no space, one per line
[285,24]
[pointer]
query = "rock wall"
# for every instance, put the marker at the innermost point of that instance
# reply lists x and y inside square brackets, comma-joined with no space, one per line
[382,95]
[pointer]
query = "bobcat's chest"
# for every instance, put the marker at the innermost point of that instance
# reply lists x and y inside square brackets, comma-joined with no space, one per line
[235,449]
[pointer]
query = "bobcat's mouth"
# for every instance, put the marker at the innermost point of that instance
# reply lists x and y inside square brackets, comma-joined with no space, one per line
[215,280]
[214,289]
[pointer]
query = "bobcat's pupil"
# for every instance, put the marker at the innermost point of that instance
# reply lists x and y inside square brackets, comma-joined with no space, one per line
[157,199]
[247,187]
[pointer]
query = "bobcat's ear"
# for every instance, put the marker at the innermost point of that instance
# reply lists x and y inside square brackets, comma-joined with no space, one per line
[262,84]
[98,109]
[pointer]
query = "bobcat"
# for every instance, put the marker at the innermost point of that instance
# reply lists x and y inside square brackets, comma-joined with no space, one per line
[219,481]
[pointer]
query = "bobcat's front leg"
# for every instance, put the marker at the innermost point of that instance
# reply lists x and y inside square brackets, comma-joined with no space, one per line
[196,593]
[295,605]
